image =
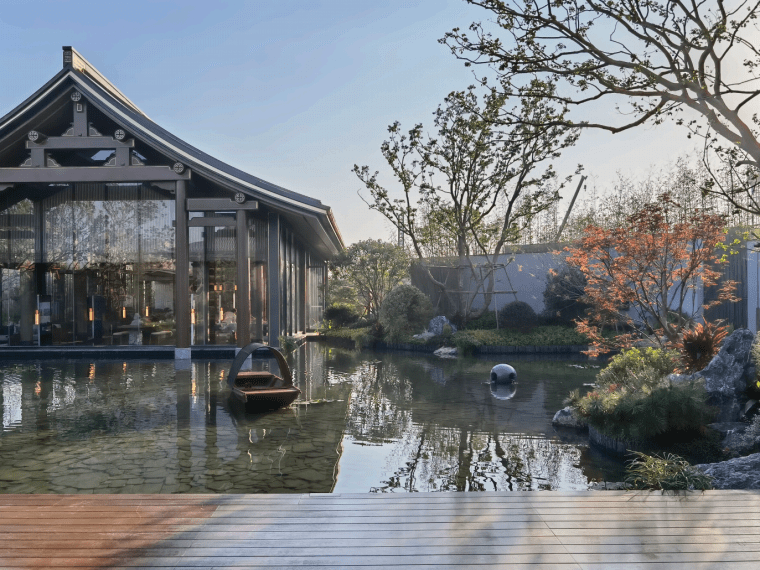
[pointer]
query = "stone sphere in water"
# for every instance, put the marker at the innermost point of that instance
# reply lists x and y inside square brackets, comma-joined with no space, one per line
[501,391]
[503,374]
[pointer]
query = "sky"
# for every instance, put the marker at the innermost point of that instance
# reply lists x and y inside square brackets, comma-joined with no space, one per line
[295,92]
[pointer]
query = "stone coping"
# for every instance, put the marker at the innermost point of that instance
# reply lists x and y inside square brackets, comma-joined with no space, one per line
[533,349]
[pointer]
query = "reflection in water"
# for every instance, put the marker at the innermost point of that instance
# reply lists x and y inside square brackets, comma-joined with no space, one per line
[503,391]
[365,422]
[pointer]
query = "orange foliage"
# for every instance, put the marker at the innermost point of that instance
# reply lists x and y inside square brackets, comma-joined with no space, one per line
[698,345]
[653,265]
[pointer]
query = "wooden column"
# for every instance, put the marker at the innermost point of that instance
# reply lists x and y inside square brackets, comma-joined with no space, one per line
[273,279]
[182,274]
[243,293]
[303,282]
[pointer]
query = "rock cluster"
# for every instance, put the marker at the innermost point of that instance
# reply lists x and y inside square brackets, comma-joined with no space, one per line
[738,473]
[437,323]
[728,375]
[566,418]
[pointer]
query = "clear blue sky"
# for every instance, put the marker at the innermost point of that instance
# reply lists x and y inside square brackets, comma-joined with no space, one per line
[295,92]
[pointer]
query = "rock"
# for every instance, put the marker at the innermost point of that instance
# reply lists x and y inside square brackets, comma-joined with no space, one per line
[446,352]
[733,437]
[503,374]
[727,428]
[738,443]
[566,418]
[728,374]
[437,323]
[607,486]
[424,336]
[739,473]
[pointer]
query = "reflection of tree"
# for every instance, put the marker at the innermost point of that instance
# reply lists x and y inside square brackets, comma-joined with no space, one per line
[443,459]
[17,244]
[375,415]
[443,437]
[121,233]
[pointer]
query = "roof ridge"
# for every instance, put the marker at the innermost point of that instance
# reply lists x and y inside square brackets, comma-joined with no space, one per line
[72,59]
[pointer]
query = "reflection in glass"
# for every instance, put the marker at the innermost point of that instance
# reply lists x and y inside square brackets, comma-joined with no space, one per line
[97,261]
[212,284]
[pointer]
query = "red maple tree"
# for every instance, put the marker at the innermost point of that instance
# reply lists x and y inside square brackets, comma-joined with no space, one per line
[643,279]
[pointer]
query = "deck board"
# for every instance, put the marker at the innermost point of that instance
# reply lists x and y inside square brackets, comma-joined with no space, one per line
[610,530]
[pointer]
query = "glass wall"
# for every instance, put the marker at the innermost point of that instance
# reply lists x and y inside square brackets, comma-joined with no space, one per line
[88,264]
[292,283]
[212,284]
[316,298]
[258,247]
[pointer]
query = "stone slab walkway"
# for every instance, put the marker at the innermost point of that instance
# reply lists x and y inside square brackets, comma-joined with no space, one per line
[607,530]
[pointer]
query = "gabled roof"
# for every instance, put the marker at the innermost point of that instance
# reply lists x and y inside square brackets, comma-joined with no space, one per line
[307,215]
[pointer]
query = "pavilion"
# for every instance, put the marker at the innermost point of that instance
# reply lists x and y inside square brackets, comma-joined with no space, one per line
[113,231]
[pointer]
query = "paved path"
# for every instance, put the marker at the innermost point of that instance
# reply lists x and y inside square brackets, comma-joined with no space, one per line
[602,530]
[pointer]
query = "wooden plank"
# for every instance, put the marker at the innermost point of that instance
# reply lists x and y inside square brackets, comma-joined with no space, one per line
[506,560]
[717,530]
[67,174]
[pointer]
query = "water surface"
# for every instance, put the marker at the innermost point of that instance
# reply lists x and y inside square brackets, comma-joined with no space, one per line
[365,422]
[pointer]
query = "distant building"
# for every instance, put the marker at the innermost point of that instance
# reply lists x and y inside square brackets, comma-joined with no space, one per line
[114,232]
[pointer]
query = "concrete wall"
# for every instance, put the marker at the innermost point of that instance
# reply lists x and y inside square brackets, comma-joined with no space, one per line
[528,271]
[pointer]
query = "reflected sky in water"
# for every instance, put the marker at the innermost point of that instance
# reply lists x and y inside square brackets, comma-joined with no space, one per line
[365,422]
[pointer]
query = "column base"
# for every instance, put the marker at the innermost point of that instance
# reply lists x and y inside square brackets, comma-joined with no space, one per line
[181,354]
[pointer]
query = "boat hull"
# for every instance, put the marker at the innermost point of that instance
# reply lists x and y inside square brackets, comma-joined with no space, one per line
[266,399]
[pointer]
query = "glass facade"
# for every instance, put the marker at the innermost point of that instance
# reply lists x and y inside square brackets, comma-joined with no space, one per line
[89,245]
[213,272]
[258,248]
[88,264]
[94,264]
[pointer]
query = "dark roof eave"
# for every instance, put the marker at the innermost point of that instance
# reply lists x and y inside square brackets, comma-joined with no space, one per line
[205,165]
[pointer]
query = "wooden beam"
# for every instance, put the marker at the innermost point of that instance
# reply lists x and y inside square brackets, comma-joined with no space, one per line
[65,174]
[80,118]
[215,221]
[75,143]
[217,204]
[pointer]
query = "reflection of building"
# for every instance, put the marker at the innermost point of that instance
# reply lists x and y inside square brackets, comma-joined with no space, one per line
[113,231]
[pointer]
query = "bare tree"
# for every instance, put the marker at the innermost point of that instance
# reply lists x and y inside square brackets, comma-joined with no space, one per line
[658,58]
[489,185]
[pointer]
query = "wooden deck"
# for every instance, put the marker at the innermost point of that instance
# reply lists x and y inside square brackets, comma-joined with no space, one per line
[604,530]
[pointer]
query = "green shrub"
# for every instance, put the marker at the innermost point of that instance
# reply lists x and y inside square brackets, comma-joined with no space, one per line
[634,400]
[288,344]
[647,407]
[563,296]
[339,315]
[485,321]
[753,390]
[624,368]
[405,311]
[466,343]
[540,336]
[518,315]
[361,337]
[668,473]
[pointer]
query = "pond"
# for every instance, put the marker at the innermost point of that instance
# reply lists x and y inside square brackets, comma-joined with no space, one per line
[365,422]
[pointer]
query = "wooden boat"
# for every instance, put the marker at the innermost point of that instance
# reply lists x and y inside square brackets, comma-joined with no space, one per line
[261,391]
